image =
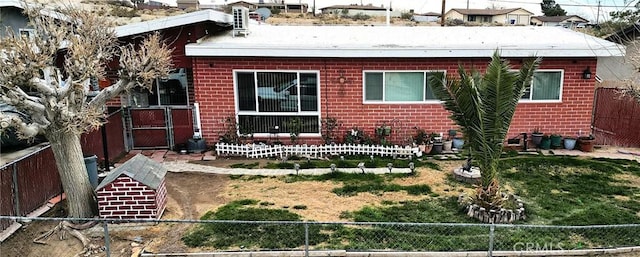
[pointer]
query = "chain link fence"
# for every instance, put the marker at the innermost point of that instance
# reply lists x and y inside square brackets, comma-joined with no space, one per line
[307,236]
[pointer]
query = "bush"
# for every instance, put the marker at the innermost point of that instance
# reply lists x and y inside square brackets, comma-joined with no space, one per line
[119,11]
[360,17]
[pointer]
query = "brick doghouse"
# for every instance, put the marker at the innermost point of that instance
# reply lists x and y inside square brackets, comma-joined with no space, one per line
[135,190]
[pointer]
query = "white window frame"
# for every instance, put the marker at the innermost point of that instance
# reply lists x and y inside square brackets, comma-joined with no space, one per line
[30,32]
[236,99]
[424,101]
[546,101]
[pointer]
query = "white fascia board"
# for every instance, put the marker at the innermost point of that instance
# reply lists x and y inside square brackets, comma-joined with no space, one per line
[11,3]
[196,50]
[173,21]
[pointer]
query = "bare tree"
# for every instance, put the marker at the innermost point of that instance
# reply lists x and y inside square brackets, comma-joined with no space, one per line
[631,86]
[48,77]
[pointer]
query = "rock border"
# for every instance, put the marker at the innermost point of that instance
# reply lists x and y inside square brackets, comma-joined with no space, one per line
[496,216]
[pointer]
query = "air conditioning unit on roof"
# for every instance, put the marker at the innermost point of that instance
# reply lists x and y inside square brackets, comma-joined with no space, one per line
[240,20]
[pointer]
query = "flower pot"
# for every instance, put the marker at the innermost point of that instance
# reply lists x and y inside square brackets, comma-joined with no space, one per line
[569,143]
[425,148]
[447,145]
[458,143]
[437,148]
[556,141]
[586,144]
[545,143]
[536,138]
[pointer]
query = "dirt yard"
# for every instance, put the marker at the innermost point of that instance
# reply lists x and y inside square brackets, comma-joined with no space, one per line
[193,194]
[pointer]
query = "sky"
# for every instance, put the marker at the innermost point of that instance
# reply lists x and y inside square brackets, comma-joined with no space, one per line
[584,8]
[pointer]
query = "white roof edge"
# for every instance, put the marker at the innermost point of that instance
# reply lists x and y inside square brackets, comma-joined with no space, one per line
[195,50]
[172,21]
[11,3]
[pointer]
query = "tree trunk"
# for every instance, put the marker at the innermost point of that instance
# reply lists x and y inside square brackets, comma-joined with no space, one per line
[67,151]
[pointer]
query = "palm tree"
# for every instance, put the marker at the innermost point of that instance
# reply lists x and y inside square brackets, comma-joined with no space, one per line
[483,106]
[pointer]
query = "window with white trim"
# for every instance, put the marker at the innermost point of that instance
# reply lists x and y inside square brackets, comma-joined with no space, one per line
[398,86]
[28,33]
[266,101]
[545,86]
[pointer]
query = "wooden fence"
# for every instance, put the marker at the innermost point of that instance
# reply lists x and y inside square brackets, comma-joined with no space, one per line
[312,151]
[92,142]
[28,182]
[616,119]
[31,179]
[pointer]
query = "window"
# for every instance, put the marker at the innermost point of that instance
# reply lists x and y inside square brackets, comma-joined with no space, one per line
[398,86]
[546,86]
[170,91]
[266,99]
[28,33]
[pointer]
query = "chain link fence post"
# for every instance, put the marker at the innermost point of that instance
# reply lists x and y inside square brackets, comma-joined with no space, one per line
[105,226]
[306,239]
[492,229]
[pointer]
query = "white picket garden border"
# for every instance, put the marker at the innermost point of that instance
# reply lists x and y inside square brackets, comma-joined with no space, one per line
[312,151]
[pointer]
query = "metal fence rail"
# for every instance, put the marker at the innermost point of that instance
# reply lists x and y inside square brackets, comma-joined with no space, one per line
[306,236]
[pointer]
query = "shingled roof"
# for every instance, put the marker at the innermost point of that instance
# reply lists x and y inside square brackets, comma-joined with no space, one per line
[139,168]
[557,18]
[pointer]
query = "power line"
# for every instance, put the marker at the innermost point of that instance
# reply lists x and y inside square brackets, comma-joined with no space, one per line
[578,5]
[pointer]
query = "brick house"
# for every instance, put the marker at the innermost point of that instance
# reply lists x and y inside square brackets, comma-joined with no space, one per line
[135,190]
[367,76]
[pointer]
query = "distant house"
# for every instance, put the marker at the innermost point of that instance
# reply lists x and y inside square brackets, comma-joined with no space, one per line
[11,16]
[282,6]
[566,21]
[184,4]
[354,9]
[512,16]
[426,17]
[615,71]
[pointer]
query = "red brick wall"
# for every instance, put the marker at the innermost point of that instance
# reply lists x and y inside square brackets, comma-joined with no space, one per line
[214,91]
[161,199]
[125,198]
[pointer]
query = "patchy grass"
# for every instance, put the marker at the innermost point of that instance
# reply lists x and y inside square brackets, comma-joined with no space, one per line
[252,165]
[351,162]
[257,235]
[573,191]
[556,191]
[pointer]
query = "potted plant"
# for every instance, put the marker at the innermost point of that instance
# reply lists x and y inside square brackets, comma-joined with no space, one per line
[536,136]
[458,142]
[556,141]
[421,139]
[569,143]
[447,145]
[585,143]
[545,142]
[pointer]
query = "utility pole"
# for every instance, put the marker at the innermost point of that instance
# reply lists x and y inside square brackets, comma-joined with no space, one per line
[442,13]
[598,15]
[314,8]
[467,4]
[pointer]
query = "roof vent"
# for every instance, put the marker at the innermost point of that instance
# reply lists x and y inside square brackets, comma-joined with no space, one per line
[240,20]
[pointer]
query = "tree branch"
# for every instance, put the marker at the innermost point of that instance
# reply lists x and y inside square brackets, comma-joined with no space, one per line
[110,92]
[23,130]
